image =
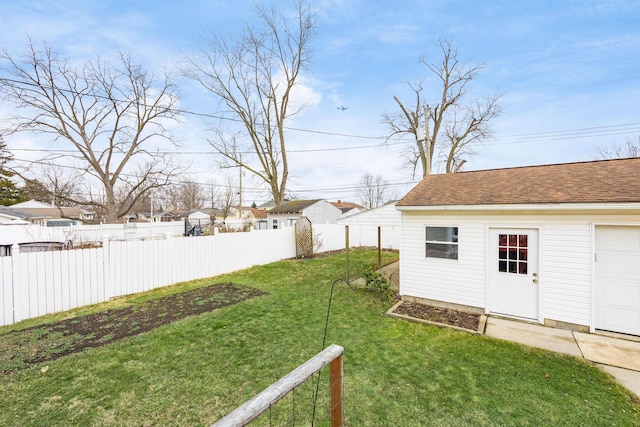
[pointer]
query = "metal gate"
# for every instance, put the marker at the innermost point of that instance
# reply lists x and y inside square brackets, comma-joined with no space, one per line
[304,238]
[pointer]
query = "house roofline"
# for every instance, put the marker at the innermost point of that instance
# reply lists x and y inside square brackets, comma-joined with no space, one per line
[527,207]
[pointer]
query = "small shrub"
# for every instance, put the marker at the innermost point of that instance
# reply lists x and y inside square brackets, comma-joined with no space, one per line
[375,282]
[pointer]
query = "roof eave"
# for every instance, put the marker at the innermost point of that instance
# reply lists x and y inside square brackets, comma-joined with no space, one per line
[526,207]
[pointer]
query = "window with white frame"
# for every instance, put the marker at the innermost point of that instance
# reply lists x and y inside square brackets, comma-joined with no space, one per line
[441,242]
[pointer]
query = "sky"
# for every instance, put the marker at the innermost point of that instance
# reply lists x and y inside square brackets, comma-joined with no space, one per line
[567,72]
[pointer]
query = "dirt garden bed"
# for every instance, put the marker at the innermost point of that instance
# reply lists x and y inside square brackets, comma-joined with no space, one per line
[19,349]
[437,315]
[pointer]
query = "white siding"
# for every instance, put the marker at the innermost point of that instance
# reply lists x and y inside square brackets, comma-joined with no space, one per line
[322,212]
[283,220]
[566,272]
[387,217]
[460,281]
[565,261]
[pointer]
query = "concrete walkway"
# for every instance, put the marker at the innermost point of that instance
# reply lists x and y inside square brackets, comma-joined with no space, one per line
[618,357]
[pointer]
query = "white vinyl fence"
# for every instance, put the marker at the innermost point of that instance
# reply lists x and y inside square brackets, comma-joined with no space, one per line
[38,283]
[79,234]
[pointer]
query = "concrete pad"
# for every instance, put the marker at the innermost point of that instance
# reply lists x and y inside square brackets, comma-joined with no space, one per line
[609,351]
[533,335]
[626,377]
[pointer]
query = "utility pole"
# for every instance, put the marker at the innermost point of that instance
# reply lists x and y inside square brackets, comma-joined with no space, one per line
[238,165]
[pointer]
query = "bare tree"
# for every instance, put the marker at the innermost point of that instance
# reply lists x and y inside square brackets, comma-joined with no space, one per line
[254,77]
[372,191]
[56,186]
[187,195]
[169,198]
[619,151]
[192,195]
[451,124]
[227,197]
[113,116]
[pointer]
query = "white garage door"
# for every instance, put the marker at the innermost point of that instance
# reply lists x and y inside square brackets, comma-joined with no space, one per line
[617,276]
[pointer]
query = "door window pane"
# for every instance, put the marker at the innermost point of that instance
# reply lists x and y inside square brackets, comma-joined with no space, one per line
[513,253]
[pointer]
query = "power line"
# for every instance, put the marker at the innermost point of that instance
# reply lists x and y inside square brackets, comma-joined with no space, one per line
[194,113]
[588,132]
[251,190]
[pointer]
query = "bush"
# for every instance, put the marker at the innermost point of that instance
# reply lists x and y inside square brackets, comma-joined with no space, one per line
[375,282]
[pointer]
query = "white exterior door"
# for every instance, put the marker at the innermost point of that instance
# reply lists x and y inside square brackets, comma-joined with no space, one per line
[617,279]
[513,272]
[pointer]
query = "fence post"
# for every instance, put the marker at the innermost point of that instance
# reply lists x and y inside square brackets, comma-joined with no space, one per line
[336,390]
[346,248]
[379,246]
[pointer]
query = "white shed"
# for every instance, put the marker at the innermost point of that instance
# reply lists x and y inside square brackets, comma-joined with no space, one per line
[318,211]
[557,244]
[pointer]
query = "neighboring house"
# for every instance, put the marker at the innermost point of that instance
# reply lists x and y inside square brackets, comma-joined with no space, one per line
[43,213]
[9,214]
[318,211]
[30,238]
[387,217]
[267,206]
[241,218]
[557,245]
[252,217]
[170,215]
[348,208]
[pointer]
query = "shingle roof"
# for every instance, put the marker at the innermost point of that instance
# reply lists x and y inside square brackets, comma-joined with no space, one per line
[340,204]
[605,181]
[293,206]
[19,213]
[55,212]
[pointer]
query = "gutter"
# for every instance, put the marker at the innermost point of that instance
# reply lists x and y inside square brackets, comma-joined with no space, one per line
[527,207]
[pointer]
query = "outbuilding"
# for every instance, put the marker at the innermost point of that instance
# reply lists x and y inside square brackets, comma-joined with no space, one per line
[318,211]
[555,244]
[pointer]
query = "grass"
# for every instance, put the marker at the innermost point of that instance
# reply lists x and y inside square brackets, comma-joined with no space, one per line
[194,371]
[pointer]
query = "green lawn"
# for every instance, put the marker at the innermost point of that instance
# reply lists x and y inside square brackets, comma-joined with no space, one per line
[397,373]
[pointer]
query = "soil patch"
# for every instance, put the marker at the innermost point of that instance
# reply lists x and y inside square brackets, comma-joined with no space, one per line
[440,315]
[19,349]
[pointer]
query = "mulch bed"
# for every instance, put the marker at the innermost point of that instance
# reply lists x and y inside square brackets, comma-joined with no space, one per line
[19,349]
[439,315]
